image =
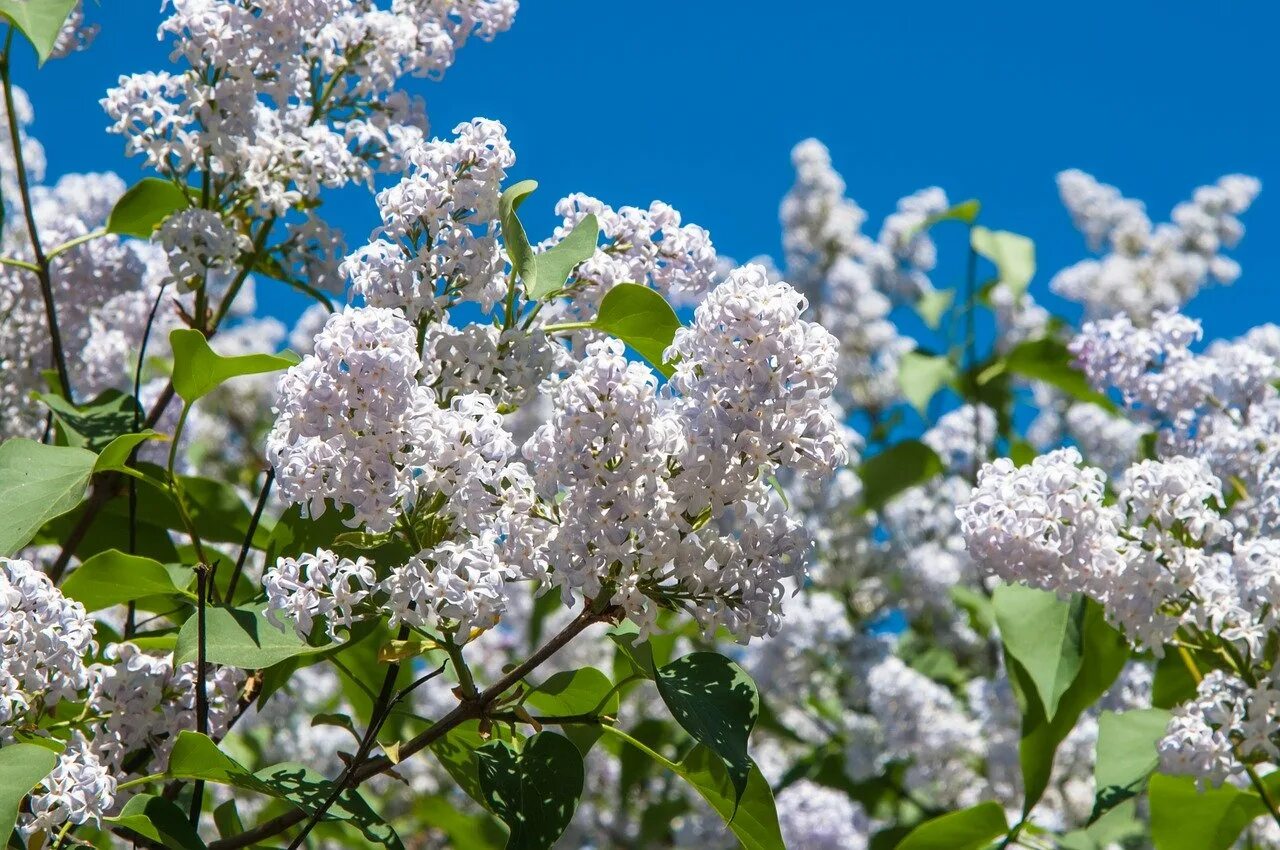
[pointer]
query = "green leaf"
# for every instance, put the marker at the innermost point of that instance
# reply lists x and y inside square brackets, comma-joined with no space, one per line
[39,20]
[534,790]
[115,456]
[641,318]
[94,424]
[113,578]
[968,829]
[933,305]
[1186,818]
[38,483]
[308,790]
[922,375]
[965,211]
[226,818]
[715,701]
[899,467]
[751,815]
[214,506]
[159,820]
[144,207]
[552,267]
[456,751]
[1014,256]
[571,692]
[198,369]
[240,637]
[22,766]
[1126,755]
[639,653]
[196,756]
[513,235]
[1043,632]
[1048,360]
[1104,655]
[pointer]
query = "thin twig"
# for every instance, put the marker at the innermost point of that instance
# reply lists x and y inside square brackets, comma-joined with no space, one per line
[467,710]
[263,495]
[28,210]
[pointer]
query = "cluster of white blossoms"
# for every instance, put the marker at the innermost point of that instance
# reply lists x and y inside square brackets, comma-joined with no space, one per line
[321,584]
[197,242]
[93,285]
[1150,558]
[80,789]
[281,100]
[1150,268]
[439,238]
[648,492]
[815,817]
[648,246]
[43,640]
[144,702]
[853,281]
[1226,725]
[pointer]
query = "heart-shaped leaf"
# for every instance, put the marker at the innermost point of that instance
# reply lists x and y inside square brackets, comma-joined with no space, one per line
[715,701]
[534,790]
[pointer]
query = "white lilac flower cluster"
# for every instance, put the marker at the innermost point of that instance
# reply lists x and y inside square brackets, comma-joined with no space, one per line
[95,286]
[281,100]
[80,789]
[852,280]
[438,243]
[1186,551]
[651,493]
[144,702]
[648,246]
[43,640]
[1150,268]
[820,818]
[1226,725]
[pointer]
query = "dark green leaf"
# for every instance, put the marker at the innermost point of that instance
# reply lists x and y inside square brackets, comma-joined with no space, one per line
[715,701]
[968,829]
[240,637]
[37,483]
[22,766]
[899,467]
[39,20]
[159,820]
[534,790]
[95,423]
[113,578]
[226,819]
[552,267]
[1048,360]
[1043,632]
[198,369]
[641,318]
[308,790]
[921,375]
[141,209]
[456,752]
[573,692]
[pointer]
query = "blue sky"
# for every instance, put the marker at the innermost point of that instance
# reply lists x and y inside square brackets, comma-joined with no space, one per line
[699,102]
